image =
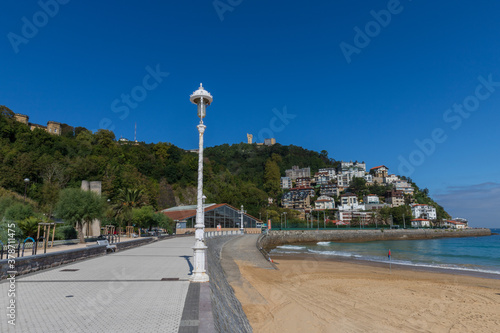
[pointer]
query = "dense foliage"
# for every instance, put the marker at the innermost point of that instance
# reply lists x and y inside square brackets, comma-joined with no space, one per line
[156,175]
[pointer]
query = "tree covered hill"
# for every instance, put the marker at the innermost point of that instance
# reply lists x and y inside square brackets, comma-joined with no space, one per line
[167,175]
[248,162]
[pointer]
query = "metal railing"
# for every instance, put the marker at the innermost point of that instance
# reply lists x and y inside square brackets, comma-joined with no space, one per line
[210,234]
[17,250]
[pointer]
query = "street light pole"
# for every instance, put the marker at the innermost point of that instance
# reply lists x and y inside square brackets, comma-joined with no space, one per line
[26,181]
[202,99]
[241,223]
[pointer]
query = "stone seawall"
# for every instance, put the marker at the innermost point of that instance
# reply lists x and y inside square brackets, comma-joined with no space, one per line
[228,313]
[282,237]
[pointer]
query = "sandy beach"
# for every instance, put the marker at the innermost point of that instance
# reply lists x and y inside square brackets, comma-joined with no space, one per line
[313,294]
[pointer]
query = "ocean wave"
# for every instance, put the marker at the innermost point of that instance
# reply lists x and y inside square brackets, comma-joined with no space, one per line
[464,267]
[451,267]
[273,252]
[290,247]
[335,253]
[323,243]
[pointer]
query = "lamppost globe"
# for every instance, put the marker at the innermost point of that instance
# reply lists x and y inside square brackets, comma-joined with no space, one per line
[202,98]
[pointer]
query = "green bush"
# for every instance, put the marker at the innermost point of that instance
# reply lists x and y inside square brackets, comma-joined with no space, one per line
[66,232]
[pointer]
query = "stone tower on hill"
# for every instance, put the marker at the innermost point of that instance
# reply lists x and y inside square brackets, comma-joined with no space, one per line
[52,127]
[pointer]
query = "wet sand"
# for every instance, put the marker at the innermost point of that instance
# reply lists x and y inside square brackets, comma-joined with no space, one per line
[316,294]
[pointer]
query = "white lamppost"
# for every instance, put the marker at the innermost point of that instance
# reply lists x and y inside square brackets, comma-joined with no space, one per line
[202,99]
[26,181]
[242,231]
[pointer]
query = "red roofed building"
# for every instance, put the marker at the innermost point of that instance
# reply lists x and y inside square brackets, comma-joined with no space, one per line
[224,215]
[380,171]
[420,223]
[454,224]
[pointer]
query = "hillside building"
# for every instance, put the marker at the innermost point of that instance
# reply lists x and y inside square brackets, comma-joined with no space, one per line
[380,171]
[329,190]
[454,224]
[52,127]
[286,183]
[420,223]
[395,198]
[324,202]
[295,172]
[371,199]
[331,172]
[423,211]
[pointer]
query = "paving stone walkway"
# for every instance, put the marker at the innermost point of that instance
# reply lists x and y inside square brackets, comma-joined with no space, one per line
[144,289]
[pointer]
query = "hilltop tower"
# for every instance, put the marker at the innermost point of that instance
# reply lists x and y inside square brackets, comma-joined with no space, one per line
[22,118]
[54,127]
[249,138]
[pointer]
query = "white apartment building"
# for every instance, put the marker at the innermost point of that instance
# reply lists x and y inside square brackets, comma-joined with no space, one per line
[423,211]
[420,223]
[371,199]
[368,178]
[295,172]
[403,186]
[349,201]
[331,172]
[286,182]
[324,202]
[391,179]
[322,178]
[454,224]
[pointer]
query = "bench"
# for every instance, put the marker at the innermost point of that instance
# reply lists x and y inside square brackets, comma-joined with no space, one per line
[109,247]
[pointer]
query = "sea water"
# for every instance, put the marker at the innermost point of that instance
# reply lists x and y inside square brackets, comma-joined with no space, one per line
[479,254]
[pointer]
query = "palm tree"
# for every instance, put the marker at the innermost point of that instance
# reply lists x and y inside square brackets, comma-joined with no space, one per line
[127,200]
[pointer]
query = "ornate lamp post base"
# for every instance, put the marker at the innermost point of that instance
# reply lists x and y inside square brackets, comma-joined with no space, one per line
[199,273]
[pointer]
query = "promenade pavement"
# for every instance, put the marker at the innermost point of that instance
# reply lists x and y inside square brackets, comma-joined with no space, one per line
[145,289]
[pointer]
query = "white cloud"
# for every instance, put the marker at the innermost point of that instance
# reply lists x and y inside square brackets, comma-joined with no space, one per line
[479,203]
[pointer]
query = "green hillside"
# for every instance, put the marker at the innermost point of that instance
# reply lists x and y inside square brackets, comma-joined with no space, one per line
[164,174]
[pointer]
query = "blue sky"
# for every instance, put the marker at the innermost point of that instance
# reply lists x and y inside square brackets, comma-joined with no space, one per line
[300,71]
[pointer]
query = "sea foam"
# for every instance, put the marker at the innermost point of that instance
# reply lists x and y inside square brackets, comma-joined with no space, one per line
[290,247]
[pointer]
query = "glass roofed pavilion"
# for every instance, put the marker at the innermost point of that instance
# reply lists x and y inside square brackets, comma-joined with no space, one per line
[224,215]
